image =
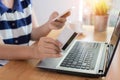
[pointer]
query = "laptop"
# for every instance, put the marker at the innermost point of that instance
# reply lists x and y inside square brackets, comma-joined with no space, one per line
[90,59]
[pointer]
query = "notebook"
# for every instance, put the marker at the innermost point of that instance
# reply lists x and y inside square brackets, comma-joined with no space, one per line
[90,59]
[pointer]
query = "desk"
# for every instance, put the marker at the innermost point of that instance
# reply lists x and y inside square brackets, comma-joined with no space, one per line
[26,70]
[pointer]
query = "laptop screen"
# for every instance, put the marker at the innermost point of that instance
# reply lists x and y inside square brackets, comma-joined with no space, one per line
[113,43]
[116,33]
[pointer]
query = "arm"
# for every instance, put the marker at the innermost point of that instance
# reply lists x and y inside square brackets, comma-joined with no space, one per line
[38,31]
[15,52]
[41,31]
[45,48]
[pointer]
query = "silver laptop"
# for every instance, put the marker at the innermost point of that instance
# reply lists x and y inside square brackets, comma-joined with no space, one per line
[91,59]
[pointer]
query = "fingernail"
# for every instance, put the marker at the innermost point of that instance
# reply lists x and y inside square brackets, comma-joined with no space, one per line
[59,55]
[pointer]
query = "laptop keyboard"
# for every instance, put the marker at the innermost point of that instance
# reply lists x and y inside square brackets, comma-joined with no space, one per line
[82,56]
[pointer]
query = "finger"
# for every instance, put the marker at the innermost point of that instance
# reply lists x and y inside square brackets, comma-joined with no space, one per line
[61,20]
[52,46]
[60,44]
[52,41]
[44,40]
[48,53]
[58,25]
[66,15]
[52,54]
[53,15]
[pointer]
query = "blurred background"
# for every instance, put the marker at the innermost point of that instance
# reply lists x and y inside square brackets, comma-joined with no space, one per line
[83,10]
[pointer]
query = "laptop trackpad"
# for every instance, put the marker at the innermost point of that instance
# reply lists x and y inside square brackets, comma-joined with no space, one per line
[49,63]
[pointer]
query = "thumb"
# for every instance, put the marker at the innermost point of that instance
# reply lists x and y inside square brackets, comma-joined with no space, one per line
[53,15]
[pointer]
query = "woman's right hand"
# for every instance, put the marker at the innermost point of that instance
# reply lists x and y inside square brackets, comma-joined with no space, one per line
[47,48]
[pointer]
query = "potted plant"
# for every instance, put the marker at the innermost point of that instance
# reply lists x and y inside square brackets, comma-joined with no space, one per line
[101,9]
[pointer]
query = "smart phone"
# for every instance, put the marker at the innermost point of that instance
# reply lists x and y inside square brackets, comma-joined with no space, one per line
[64,14]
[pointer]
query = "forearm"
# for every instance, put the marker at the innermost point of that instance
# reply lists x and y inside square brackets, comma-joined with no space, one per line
[40,31]
[15,52]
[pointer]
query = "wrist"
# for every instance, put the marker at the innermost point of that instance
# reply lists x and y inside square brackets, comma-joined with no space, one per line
[30,52]
[33,52]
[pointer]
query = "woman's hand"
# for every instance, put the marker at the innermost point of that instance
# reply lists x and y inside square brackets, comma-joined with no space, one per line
[47,48]
[57,24]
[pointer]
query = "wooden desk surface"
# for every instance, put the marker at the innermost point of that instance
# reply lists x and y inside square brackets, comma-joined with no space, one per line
[26,70]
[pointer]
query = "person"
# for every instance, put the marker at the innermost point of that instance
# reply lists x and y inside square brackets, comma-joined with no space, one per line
[18,25]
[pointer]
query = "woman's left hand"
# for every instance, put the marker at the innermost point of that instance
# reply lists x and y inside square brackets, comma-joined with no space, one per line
[57,24]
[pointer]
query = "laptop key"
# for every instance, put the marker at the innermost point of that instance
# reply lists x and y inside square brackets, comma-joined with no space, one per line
[84,64]
[74,63]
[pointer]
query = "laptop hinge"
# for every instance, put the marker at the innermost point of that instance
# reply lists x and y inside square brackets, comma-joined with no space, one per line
[103,61]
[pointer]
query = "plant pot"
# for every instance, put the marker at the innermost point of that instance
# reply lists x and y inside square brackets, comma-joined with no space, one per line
[100,23]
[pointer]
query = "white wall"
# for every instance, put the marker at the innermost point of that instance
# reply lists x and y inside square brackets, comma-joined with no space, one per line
[44,8]
[114,12]
[116,4]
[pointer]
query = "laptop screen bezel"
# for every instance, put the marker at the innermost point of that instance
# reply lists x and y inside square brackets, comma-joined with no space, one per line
[114,51]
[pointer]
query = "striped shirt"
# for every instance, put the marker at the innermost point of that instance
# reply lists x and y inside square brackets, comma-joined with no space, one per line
[15,23]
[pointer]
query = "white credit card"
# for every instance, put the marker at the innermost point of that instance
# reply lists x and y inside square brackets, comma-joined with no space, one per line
[66,37]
